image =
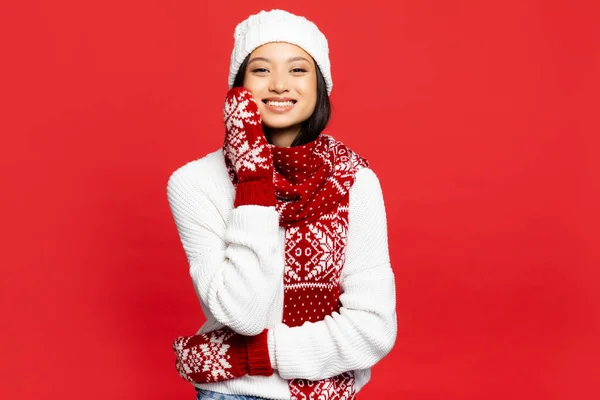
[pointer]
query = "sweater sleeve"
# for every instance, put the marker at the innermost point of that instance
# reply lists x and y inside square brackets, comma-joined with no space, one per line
[234,265]
[364,331]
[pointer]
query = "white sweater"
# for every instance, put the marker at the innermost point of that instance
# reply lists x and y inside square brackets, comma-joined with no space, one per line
[236,261]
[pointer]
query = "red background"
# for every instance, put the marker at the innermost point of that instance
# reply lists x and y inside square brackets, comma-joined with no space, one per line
[479,117]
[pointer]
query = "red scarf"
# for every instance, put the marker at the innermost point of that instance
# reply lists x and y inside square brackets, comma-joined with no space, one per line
[312,184]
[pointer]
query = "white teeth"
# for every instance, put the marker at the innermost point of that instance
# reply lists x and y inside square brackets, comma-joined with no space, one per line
[280,103]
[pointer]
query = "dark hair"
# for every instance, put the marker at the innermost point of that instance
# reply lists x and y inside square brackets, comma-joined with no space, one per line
[316,123]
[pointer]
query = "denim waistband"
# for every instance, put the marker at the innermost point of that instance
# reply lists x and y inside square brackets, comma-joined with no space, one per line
[204,394]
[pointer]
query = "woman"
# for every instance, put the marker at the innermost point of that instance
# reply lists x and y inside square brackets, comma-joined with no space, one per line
[284,229]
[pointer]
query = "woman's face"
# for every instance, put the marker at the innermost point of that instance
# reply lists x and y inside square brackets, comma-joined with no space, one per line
[283,81]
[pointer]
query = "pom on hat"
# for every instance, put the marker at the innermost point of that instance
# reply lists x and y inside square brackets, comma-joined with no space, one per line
[279,26]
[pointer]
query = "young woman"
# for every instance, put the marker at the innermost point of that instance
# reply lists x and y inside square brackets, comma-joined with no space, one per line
[284,229]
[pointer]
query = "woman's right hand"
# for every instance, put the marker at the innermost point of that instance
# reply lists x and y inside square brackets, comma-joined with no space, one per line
[245,144]
[247,149]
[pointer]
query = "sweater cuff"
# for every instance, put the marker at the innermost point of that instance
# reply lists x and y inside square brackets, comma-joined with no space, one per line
[259,192]
[257,348]
[271,346]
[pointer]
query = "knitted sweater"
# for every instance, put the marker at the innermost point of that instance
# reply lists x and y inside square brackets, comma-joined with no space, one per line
[236,262]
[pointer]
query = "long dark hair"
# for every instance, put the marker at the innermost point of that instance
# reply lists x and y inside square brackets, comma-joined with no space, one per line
[316,123]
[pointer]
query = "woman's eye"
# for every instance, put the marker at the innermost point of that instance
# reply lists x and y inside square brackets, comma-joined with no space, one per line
[298,70]
[259,70]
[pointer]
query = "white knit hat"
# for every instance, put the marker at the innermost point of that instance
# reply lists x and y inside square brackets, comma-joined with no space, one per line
[279,26]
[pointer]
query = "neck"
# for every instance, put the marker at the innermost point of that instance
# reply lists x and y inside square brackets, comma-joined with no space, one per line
[283,137]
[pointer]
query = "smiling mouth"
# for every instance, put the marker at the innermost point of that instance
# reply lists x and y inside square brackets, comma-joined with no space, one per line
[280,104]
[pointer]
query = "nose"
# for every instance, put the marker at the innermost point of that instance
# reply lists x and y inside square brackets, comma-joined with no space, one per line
[279,83]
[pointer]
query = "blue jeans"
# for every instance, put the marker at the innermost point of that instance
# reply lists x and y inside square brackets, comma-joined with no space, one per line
[210,395]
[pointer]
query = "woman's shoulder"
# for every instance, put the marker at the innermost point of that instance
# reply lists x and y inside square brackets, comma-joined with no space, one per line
[204,174]
[367,209]
[206,162]
[366,181]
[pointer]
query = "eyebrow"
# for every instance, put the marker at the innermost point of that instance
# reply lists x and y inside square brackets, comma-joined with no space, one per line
[299,58]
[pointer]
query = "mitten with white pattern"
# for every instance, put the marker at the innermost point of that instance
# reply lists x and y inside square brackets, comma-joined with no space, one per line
[221,355]
[246,149]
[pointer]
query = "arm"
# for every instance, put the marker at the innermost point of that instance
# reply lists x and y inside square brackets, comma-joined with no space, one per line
[235,265]
[364,331]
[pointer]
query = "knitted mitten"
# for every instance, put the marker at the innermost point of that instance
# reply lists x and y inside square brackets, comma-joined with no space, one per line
[246,148]
[221,355]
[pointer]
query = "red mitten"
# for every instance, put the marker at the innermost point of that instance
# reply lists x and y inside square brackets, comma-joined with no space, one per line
[221,355]
[246,149]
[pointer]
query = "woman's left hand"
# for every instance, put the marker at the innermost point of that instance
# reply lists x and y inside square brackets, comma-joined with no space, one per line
[221,355]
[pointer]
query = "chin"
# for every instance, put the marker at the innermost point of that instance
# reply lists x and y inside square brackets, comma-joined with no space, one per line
[275,123]
[279,126]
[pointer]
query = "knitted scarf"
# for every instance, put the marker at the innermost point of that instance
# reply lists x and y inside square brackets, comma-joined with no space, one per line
[312,184]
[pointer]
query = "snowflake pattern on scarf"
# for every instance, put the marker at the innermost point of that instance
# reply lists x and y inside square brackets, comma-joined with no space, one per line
[312,184]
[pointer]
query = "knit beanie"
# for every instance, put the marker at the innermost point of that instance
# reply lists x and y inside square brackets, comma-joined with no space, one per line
[279,26]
